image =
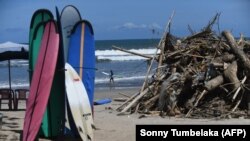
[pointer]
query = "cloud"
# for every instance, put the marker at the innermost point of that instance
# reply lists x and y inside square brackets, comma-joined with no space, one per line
[155,26]
[130,25]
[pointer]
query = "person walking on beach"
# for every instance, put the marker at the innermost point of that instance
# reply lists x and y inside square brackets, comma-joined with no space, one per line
[111,80]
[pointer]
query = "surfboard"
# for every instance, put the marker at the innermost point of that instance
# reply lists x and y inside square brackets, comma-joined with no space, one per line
[54,117]
[34,49]
[35,35]
[41,82]
[102,101]
[69,17]
[79,103]
[53,120]
[108,74]
[105,73]
[81,55]
[66,20]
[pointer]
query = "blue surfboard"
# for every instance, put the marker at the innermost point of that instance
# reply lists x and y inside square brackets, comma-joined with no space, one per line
[81,55]
[102,101]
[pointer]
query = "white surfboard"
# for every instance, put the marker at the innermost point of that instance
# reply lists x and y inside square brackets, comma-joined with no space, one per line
[105,73]
[117,76]
[79,103]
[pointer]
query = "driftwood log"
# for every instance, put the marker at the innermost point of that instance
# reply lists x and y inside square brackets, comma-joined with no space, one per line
[237,51]
[131,52]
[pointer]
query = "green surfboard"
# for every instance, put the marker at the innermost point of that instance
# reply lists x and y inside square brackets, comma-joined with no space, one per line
[53,119]
[36,31]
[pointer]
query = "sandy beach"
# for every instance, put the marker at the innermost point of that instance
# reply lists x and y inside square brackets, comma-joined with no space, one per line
[109,125]
[189,59]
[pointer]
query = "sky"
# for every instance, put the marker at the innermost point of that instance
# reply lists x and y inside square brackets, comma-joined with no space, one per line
[130,19]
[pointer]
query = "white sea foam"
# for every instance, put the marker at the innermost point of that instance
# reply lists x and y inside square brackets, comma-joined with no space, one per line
[11,46]
[14,85]
[116,55]
[15,63]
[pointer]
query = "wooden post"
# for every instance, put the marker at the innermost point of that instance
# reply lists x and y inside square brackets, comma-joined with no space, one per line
[9,74]
[239,88]
[148,72]
[134,53]
[135,101]
[128,100]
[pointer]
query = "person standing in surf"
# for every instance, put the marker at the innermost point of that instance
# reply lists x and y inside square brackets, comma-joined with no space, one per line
[111,80]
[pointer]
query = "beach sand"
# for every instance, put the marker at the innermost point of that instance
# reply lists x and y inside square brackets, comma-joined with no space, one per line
[110,127]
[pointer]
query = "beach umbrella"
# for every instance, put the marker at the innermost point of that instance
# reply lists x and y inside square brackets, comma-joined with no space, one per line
[10,51]
[10,55]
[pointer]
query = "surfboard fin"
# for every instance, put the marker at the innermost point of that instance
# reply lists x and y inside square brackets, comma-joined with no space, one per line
[80,129]
[89,138]
[93,127]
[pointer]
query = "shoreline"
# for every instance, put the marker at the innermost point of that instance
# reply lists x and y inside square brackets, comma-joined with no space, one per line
[107,92]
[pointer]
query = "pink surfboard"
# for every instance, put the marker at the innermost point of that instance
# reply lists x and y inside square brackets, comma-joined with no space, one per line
[41,82]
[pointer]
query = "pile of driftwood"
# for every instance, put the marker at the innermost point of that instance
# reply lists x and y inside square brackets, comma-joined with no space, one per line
[204,75]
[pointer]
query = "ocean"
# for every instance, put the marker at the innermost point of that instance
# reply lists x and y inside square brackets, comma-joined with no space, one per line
[129,70]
